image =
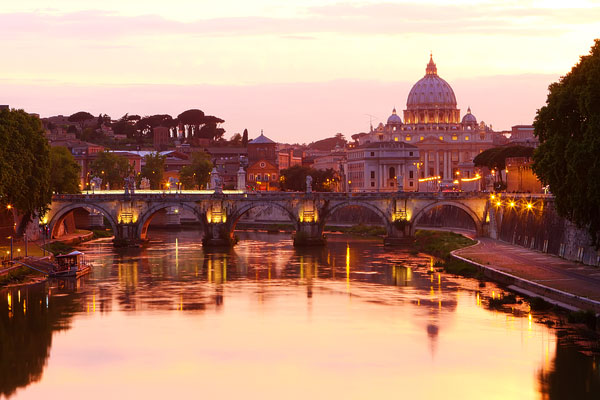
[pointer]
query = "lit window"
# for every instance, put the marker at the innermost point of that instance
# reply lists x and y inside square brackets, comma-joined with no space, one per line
[422,137]
[441,137]
[408,138]
[395,138]
[467,138]
[454,137]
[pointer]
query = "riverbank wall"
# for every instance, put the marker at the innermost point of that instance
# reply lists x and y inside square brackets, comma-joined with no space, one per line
[563,299]
[539,227]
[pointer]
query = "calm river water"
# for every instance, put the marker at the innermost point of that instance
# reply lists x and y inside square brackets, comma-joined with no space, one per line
[350,321]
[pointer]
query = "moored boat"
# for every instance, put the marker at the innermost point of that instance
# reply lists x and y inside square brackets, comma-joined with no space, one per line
[71,265]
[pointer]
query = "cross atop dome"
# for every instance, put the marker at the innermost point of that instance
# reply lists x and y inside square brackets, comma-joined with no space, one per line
[431,67]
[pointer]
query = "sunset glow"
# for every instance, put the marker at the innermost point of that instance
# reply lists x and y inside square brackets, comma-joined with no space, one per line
[296,69]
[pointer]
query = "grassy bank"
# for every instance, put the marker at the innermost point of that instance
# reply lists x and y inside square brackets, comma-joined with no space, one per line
[439,244]
[359,230]
[18,275]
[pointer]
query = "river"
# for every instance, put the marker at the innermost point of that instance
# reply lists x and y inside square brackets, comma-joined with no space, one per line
[353,320]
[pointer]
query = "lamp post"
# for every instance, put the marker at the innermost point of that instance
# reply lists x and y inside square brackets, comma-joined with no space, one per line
[11,247]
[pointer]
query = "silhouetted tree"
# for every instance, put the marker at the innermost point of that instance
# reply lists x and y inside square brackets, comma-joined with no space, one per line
[64,171]
[245,138]
[80,118]
[568,128]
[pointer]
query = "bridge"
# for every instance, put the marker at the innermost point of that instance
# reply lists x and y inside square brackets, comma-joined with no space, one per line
[129,215]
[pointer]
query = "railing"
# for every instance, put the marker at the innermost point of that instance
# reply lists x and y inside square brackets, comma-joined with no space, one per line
[196,195]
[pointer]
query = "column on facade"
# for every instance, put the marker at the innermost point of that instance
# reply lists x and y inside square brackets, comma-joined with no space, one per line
[437,163]
[445,165]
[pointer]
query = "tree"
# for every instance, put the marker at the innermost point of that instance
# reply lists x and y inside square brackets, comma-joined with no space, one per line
[154,169]
[193,118]
[112,168]
[196,174]
[568,128]
[245,138]
[24,165]
[236,140]
[495,160]
[64,171]
[294,178]
[146,125]
[80,118]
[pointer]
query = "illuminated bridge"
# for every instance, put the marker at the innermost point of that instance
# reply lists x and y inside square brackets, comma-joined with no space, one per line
[129,215]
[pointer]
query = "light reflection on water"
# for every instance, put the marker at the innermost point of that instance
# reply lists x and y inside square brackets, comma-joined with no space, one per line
[350,320]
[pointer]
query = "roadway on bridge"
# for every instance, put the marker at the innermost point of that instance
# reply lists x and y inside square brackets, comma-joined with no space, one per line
[555,272]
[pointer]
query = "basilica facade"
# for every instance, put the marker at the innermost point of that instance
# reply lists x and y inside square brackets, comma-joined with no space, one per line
[446,143]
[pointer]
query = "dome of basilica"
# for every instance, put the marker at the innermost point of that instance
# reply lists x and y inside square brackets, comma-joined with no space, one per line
[431,90]
[469,119]
[394,118]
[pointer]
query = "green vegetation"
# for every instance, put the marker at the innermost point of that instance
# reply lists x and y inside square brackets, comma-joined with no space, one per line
[197,174]
[102,233]
[501,301]
[360,230]
[24,165]
[567,157]
[294,178]
[64,171]
[495,160]
[539,304]
[58,248]
[154,169]
[17,275]
[440,243]
[112,168]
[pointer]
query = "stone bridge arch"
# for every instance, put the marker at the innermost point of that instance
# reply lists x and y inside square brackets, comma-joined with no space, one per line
[366,204]
[422,211]
[238,212]
[145,218]
[59,216]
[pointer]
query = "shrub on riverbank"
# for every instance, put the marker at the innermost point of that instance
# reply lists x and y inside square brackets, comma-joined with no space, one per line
[440,243]
[360,230]
[100,233]
[17,275]
[58,248]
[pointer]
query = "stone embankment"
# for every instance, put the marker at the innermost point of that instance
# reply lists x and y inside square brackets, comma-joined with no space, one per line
[568,284]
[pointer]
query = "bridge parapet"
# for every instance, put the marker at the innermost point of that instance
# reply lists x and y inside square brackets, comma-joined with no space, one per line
[218,213]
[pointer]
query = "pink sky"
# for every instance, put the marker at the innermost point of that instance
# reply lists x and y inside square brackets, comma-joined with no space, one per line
[299,70]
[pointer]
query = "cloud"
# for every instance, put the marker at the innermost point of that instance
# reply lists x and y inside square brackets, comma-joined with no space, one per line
[342,18]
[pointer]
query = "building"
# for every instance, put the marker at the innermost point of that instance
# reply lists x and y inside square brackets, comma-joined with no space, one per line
[446,143]
[161,137]
[262,175]
[523,135]
[262,148]
[288,158]
[520,177]
[382,167]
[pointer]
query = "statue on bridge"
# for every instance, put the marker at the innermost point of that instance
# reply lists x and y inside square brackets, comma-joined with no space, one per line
[96,182]
[145,184]
[129,185]
[309,180]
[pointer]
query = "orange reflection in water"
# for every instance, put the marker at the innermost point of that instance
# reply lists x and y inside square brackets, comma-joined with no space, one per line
[236,325]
